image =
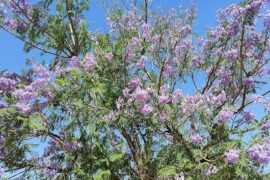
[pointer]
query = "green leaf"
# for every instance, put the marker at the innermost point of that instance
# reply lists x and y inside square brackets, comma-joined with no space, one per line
[102,174]
[114,157]
[36,122]
[99,88]
[167,171]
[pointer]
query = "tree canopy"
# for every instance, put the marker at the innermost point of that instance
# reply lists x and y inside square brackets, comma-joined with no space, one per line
[113,105]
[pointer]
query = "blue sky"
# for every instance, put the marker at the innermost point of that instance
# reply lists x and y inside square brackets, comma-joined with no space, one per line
[12,56]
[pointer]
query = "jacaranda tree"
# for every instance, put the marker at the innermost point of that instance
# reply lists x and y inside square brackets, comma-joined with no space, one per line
[149,99]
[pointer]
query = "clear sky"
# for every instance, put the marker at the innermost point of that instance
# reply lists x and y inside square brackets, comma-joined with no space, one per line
[12,56]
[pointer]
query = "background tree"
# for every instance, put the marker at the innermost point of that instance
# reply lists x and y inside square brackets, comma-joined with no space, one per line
[111,106]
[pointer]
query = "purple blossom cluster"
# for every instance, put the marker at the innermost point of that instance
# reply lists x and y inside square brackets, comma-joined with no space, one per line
[89,62]
[224,76]
[75,62]
[266,126]
[40,71]
[2,11]
[112,116]
[196,139]
[163,100]
[190,104]
[219,99]
[249,116]
[71,146]
[260,153]
[53,147]
[24,107]
[145,109]
[164,116]
[141,95]
[232,156]
[232,54]
[7,84]
[49,172]
[20,5]
[225,114]
[24,95]
[109,57]
[249,81]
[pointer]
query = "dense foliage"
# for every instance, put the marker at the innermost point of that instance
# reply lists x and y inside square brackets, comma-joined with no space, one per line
[150,99]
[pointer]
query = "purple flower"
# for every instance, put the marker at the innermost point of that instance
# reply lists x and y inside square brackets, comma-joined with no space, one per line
[185,30]
[140,64]
[178,93]
[225,115]
[258,99]
[135,41]
[71,146]
[55,165]
[163,116]
[167,71]
[2,11]
[2,170]
[125,92]
[266,22]
[150,90]
[197,61]
[145,109]
[90,62]
[54,143]
[134,83]
[111,116]
[49,172]
[260,153]
[249,116]
[119,103]
[2,141]
[7,84]
[196,139]
[10,24]
[231,54]
[21,26]
[265,126]
[145,27]
[24,108]
[49,150]
[24,95]
[141,95]
[256,5]
[109,57]
[37,84]
[224,76]
[253,38]
[145,31]
[163,100]
[2,106]
[40,71]
[156,38]
[232,156]
[75,62]
[25,5]
[221,98]
[249,81]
